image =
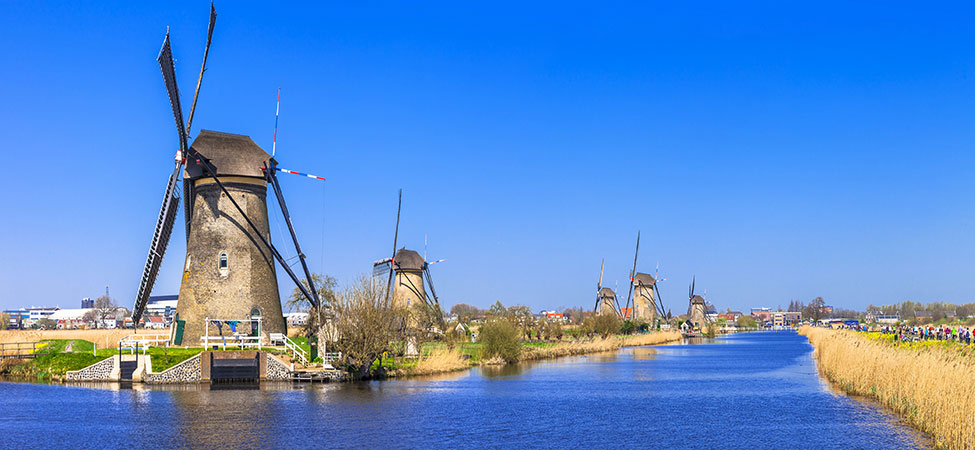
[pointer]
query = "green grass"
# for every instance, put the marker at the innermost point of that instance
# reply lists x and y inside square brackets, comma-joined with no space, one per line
[56,361]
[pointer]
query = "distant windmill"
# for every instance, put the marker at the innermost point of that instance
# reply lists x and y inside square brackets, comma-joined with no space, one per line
[644,291]
[229,271]
[606,302]
[408,274]
[697,308]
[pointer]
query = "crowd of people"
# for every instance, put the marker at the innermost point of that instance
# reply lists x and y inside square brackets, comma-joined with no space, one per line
[906,333]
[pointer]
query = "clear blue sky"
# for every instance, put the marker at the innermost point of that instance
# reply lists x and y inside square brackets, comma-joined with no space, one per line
[776,151]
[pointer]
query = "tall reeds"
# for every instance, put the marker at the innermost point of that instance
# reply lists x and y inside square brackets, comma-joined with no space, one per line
[932,387]
[443,360]
[597,345]
[440,360]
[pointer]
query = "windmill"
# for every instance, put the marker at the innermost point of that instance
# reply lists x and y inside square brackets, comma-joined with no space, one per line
[644,292]
[229,270]
[696,308]
[606,302]
[408,275]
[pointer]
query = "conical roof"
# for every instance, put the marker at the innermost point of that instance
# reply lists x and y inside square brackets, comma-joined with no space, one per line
[408,260]
[607,292]
[643,279]
[231,154]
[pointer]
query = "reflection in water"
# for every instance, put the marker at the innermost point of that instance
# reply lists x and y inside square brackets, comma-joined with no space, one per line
[643,353]
[505,371]
[743,391]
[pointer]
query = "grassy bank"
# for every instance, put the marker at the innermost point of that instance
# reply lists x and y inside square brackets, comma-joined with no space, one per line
[929,385]
[59,360]
[439,359]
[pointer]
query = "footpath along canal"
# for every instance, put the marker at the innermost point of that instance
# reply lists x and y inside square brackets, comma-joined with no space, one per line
[750,390]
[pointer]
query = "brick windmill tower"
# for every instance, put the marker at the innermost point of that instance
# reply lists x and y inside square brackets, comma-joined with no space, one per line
[408,288]
[409,277]
[229,269]
[605,297]
[696,309]
[644,303]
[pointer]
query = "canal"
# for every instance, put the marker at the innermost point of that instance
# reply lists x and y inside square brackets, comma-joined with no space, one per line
[751,390]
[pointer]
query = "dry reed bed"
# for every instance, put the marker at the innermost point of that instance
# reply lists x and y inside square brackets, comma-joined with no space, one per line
[445,360]
[933,388]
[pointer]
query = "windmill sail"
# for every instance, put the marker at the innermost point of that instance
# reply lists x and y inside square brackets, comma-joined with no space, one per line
[167,213]
[381,267]
[157,248]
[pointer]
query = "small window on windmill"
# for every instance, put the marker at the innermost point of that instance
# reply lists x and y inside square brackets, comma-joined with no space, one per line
[224,264]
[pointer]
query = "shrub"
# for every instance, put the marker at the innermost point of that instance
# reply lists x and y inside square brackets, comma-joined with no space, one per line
[607,324]
[499,338]
[746,322]
[628,327]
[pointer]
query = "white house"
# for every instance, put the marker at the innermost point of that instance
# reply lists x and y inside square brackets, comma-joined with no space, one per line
[70,318]
[296,319]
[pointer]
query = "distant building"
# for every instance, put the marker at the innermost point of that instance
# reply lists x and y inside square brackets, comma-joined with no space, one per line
[16,318]
[710,312]
[36,314]
[155,322]
[888,319]
[556,316]
[67,319]
[785,319]
[871,315]
[162,306]
[296,319]
[87,302]
[762,315]
[730,318]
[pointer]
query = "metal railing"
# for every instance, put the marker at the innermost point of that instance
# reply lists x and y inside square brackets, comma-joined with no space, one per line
[236,340]
[144,341]
[297,351]
[23,349]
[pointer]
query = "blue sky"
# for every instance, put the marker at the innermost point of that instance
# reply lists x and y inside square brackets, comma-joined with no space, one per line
[775,151]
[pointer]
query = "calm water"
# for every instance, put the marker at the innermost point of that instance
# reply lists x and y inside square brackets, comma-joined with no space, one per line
[757,390]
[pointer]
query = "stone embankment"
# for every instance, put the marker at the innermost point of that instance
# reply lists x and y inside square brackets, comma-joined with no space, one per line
[189,371]
[103,370]
[930,386]
[185,372]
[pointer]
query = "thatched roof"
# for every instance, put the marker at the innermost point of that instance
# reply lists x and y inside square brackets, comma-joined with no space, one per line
[607,292]
[231,154]
[697,300]
[643,279]
[408,260]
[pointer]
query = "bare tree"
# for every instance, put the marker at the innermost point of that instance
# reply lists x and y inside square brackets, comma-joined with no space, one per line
[318,324]
[104,309]
[367,324]
[465,312]
[816,309]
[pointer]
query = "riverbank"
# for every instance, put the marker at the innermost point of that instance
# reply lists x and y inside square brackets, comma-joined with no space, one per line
[930,386]
[63,355]
[75,354]
[443,359]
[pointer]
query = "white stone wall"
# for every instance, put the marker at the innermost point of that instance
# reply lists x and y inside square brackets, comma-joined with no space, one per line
[185,372]
[100,371]
[276,369]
